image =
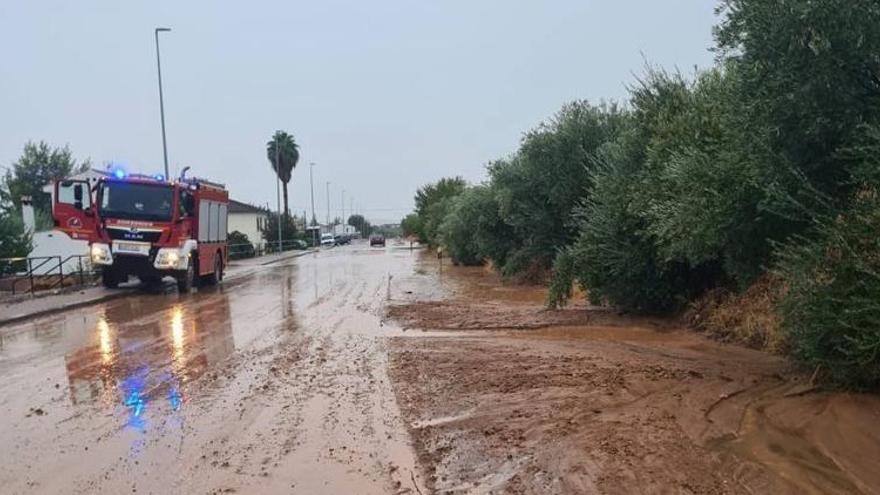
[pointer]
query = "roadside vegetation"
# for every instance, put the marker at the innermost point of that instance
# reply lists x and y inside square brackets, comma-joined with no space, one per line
[38,166]
[360,224]
[283,155]
[751,184]
[240,246]
[14,240]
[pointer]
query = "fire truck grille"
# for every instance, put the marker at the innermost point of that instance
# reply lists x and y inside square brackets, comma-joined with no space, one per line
[133,235]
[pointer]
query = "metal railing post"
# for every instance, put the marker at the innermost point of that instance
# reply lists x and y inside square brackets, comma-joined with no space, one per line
[14,278]
[31,274]
[61,271]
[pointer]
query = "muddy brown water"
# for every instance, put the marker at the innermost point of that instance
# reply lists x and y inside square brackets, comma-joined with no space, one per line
[272,383]
[587,401]
[292,379]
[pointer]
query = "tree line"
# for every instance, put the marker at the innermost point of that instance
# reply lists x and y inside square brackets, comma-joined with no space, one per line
[765,166]
[39,165]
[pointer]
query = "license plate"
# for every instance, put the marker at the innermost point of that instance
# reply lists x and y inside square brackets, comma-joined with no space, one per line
[131,248]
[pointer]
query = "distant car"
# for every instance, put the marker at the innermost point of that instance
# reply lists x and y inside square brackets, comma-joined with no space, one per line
[377,240]
[342,239]
[328,240]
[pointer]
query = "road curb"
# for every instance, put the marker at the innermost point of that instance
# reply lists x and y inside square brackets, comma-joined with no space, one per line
[294,256]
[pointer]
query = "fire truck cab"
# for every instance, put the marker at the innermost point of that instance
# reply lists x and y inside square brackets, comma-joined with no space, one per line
[147,226]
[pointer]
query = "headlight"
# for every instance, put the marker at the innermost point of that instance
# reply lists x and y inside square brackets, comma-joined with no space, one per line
[170,258]
[100,254]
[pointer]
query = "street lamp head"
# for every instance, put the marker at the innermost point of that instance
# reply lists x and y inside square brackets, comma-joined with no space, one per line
[161,30]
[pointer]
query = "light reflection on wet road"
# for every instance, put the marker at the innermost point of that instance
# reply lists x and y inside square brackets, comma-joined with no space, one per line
[244,385]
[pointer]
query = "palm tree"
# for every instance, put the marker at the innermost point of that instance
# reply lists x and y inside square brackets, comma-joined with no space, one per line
[288,155]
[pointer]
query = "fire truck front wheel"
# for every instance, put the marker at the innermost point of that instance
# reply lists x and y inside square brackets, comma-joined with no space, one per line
[109,278]
[186,278]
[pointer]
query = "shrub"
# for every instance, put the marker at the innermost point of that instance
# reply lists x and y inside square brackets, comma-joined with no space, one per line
[562,282]
[456,232]
[700,189]
[810,77]
[472,230]
[240,246]
[14,241]
[411,225]
[540,186]
[433,203]
[289,233]
[614,258]
[831,309]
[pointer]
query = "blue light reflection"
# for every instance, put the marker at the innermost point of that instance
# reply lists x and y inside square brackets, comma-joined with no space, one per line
[135,400]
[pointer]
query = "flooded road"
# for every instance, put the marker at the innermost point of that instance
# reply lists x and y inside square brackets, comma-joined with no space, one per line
[274,382]
[373,371]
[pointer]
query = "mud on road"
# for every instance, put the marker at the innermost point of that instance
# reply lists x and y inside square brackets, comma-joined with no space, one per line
[504,397]
[272,383]
[374,371]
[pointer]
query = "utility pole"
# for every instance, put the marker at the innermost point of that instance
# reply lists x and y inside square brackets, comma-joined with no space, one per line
[312,186]
[161,99]
[278,186]
[343,211]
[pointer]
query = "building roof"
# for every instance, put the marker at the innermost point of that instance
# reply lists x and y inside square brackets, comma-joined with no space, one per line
[239,207]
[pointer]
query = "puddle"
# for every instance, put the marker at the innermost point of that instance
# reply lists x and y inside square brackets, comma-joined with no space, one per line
[478,283]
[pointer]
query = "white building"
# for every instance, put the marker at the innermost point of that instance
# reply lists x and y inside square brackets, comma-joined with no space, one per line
[248,219]
[343,229]
[91,175]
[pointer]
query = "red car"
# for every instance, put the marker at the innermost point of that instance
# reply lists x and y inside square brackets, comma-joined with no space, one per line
[377,240]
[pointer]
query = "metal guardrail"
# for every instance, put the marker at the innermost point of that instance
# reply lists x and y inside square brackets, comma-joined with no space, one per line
[249,250]
[44,272]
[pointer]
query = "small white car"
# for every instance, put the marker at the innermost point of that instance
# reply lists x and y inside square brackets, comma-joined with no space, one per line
[328,240]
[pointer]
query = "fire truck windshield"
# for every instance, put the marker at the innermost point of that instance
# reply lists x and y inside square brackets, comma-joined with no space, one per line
[132,201]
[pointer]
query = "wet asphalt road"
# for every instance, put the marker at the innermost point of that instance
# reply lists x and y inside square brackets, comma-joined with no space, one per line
[274,382]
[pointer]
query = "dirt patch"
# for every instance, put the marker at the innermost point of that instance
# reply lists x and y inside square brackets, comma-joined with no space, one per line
[749,318]
[588,401]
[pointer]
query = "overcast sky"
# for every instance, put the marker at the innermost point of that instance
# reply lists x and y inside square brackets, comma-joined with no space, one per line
[383,96]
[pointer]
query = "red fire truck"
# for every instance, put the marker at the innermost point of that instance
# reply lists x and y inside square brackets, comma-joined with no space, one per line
[147,226]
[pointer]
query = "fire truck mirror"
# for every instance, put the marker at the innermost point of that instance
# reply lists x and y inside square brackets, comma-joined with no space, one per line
[188,202]
[78,196]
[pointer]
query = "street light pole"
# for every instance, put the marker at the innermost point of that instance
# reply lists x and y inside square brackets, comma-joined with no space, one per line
[312,186]
[343,211]
[161,99]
